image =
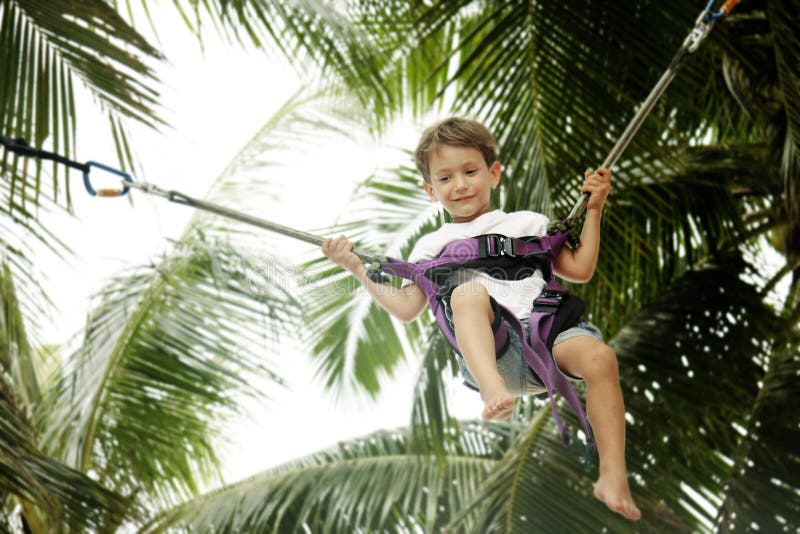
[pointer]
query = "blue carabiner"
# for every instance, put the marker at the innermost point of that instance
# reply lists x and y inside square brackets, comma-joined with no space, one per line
[105,192]
[710,15]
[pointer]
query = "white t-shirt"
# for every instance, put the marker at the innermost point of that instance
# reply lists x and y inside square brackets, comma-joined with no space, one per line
[516,295]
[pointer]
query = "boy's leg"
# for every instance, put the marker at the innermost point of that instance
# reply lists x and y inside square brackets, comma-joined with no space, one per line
[596,363]
[472,321]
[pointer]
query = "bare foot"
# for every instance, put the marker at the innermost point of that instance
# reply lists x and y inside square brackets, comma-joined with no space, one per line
[498,403]
[615,492]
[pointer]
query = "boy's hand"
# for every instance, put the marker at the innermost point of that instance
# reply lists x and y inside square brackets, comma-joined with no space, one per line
[340,251]
[598,184]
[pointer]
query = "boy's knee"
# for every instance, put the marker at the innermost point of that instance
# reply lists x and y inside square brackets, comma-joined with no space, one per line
[601,362]
[470,295]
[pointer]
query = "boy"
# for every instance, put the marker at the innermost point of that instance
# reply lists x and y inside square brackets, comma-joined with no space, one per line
[458,162]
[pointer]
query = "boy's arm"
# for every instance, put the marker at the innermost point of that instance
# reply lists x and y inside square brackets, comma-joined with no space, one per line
[578,265]
[405,303]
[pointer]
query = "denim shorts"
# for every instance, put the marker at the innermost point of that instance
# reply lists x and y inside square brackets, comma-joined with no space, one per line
[519,377]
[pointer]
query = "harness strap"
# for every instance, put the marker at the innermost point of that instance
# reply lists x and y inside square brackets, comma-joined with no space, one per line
[535,352]
[443,317]
[497,245]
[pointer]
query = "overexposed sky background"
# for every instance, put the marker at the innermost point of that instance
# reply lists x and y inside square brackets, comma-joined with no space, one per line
[215,100]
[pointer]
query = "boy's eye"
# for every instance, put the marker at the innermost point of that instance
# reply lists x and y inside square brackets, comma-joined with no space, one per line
[470,172]
[444,178]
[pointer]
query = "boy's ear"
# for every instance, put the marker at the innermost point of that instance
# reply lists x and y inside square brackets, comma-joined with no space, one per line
[495,169]
[429,190]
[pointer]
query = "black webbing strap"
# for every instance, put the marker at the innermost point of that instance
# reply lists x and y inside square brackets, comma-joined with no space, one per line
[19,146]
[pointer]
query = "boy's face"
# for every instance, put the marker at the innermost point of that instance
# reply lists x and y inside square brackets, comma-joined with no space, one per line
[461,181]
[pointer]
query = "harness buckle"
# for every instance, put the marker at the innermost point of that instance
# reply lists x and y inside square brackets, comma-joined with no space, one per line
[499,245]
[548,301]
[550,294]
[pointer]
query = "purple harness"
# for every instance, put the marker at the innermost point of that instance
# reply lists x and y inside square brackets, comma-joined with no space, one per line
[515,257]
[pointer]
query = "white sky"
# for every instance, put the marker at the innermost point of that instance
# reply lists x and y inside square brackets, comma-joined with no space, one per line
[215,101]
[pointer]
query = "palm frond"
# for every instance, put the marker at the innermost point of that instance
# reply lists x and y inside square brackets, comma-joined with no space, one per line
[167,351]
[432,427]
[345,488]
[782,20]
[765,472]
[24,243]
[53,489]
[17,359]
[171,347]
[697,358]
[26,474]
[535,487]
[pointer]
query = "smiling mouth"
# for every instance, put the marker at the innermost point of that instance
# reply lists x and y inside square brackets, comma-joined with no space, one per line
[464,198]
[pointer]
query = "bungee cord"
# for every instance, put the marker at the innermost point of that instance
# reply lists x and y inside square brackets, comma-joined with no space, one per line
[21,147]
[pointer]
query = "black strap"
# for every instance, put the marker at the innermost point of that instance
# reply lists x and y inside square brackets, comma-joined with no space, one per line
[19,146]
[567,315]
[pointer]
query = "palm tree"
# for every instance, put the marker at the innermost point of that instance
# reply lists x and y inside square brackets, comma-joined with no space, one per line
[708,351]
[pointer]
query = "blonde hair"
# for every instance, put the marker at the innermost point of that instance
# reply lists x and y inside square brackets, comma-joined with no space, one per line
[454,131]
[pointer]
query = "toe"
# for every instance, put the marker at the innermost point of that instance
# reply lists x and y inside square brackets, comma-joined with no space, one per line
[503,409]
[633,512]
